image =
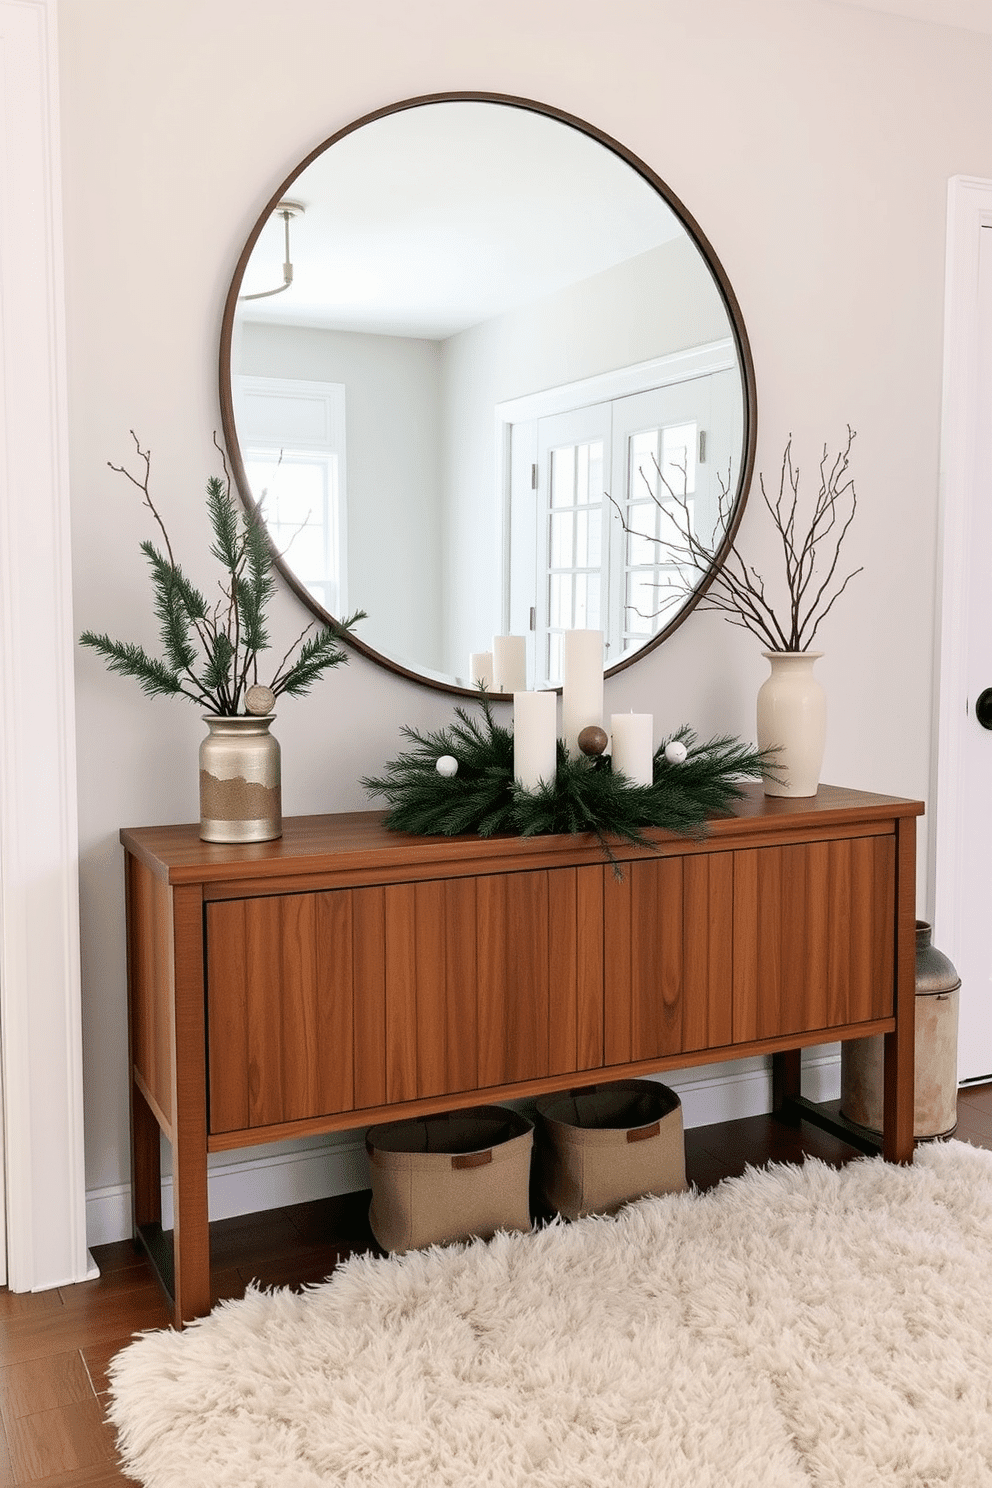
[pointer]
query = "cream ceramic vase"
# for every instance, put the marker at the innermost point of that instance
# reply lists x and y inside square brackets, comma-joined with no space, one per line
[240,780]
[792,717]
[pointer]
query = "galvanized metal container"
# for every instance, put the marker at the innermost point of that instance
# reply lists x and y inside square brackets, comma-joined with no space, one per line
[935,1110]
[240,780]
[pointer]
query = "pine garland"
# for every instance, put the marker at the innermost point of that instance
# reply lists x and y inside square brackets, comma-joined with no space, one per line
[586,796]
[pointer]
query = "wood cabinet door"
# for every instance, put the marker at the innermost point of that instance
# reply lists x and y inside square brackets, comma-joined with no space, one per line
[492,980]
[281,1012]
[669,949]
[351,999]
[814,936]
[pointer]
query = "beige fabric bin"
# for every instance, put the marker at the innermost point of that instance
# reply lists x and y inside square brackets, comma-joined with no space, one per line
[441,1178]
[603,1145]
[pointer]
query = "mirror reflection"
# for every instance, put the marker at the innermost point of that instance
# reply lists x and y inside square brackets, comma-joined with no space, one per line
[472,356]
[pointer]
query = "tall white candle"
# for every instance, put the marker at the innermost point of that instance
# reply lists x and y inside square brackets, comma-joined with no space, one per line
[633,746]
[535,738]
[480,668]
[509,663]
[582,684]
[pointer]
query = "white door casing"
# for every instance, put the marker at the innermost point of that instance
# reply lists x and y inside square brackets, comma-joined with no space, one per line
[961,875]
[40,1012]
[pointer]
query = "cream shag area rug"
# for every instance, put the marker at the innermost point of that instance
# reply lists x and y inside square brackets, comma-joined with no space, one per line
[797,1326]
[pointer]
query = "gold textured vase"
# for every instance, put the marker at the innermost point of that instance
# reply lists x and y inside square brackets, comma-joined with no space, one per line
[240,780]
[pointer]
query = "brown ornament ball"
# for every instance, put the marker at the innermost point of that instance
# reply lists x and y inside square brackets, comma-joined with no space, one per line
[593,740]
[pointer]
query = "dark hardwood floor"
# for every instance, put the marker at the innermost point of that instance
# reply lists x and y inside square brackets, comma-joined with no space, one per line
[55,1346]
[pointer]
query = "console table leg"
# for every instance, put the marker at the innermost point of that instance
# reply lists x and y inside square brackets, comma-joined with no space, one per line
[191,1235]
[900,1046]
[787,1083]
[146,1164]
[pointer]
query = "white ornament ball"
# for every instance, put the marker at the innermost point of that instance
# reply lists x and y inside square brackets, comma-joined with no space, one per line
[447,766]
[675,752]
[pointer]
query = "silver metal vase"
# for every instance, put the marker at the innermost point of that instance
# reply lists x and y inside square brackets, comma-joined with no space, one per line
[240,780]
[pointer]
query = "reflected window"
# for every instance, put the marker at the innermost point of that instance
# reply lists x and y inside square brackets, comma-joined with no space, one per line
[299,493]
[293,448]
[609,490]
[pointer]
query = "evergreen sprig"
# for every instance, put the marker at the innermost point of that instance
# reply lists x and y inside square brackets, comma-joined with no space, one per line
[586,795]
[211,653]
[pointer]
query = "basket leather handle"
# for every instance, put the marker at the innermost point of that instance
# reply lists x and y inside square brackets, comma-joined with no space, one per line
[472,1159]
[641,1133]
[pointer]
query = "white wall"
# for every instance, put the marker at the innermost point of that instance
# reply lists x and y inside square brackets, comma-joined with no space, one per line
[813,144]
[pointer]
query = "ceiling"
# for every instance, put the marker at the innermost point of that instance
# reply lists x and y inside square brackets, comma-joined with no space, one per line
[971,15]
[433,219]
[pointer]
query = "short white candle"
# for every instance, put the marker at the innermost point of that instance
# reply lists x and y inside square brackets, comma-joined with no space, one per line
[633,746]
[535,738]
[480,668]
[582,685]
[509,663]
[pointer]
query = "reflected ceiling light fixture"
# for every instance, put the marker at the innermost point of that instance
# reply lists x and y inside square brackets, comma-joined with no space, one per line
[287,210]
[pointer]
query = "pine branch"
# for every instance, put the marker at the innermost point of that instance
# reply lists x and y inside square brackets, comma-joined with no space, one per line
[130,660]
[210,654]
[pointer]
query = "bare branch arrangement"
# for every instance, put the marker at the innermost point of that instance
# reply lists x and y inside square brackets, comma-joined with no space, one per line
[212,650]
[811,554]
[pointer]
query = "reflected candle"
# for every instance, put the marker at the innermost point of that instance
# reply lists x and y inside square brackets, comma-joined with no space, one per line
[581,684]
[509,663]
[633,746]
[480,668]
[535,738]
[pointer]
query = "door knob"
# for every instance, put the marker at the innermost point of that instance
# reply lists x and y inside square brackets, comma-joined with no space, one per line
[983,708]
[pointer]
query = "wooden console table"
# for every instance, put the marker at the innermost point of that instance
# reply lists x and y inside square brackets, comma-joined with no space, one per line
[345,974]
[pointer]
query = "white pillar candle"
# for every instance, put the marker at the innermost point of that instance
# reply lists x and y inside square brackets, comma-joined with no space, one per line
[509,663]
[633,746]
[582,685]
[480,668]
[535,738]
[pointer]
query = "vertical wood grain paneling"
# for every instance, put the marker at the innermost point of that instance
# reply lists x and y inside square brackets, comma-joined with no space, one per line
[513,951]
[461,985]
[298,1010]
[644,961]
[149,952]
[884,905]
[401,992]
[264,1008]
[809,966]
[812,936]
[617,941]
[841,934]
[430,987]
[591,967]
[368,911]
[281,1028]
[333,1076]
[708,948]
[656,962]
[563,969]
[227,1033]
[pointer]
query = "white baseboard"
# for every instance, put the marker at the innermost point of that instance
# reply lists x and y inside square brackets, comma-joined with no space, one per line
[339,1165]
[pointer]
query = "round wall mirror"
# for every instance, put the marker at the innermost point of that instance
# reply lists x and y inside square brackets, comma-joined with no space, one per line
[482,373]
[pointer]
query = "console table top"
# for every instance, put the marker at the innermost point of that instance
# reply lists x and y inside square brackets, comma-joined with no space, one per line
[178,854]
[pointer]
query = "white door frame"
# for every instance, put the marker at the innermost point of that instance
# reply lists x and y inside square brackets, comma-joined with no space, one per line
[40,1005]
[969,211]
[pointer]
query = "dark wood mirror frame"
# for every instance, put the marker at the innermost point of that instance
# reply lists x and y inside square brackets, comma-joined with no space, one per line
[748,389]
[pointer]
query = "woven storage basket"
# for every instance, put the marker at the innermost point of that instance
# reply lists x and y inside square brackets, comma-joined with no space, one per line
[603,1145]
[441,1178]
